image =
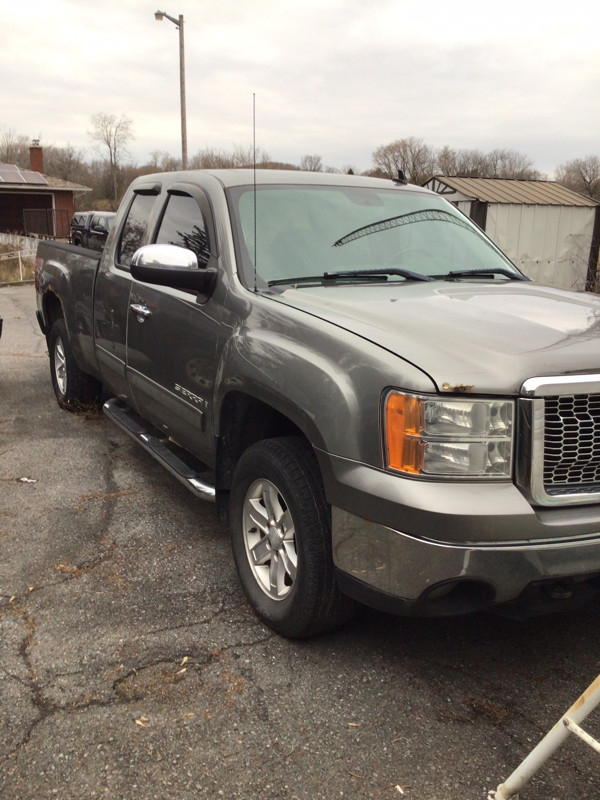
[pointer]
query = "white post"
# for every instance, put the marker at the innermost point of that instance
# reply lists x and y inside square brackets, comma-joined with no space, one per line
[549,744]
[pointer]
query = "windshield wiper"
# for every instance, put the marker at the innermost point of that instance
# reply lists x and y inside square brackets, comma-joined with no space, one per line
[380,271]
[427,215]
[378,274]
[485,273]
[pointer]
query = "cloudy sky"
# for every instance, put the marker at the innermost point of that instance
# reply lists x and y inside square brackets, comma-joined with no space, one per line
[336,78]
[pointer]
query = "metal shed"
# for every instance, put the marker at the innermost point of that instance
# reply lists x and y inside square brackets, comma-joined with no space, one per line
[552,233]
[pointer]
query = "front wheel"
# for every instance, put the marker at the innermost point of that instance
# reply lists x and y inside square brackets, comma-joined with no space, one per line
[75,390]
[281,539]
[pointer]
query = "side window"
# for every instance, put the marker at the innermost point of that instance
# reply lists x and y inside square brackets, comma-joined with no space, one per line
[183,225]
[135,230]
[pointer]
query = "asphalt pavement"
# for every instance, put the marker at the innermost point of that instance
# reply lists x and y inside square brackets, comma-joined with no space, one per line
[132,668]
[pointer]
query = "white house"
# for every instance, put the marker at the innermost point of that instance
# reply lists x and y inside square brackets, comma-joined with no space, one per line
[550,232]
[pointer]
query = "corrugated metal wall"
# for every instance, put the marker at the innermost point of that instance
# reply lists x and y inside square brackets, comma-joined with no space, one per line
[550,244]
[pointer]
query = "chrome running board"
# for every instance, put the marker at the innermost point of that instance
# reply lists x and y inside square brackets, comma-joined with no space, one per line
[163,450]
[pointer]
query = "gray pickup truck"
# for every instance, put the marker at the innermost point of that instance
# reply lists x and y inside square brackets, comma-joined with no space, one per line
[90,228]
[384,409]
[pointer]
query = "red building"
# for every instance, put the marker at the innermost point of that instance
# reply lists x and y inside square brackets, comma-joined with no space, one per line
[34,203]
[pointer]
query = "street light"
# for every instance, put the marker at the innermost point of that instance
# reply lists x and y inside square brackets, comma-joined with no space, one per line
[158,16]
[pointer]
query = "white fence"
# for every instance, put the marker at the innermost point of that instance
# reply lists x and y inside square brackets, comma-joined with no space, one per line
[20,255]
[18,242]
[24,249]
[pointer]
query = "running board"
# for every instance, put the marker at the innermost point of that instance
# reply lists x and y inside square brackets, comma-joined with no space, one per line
[163,450]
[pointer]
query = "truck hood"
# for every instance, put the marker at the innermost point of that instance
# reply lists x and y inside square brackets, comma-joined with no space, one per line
[484,338]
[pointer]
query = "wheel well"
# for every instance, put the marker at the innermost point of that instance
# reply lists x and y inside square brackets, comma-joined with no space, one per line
[245,420]
[52,310]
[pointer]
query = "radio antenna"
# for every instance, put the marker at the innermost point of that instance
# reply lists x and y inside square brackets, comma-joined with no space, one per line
[254,177]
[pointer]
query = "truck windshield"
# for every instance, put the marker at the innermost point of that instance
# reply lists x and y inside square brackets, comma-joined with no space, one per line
[305,231]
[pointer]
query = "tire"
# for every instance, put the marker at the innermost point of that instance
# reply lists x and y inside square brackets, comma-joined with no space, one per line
[281,539]
[75,390]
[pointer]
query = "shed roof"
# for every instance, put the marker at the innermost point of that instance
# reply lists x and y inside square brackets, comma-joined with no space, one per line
[509,190]
[13,177]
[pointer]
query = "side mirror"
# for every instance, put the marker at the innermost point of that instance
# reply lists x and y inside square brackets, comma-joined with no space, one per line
[169,265]
[99,229]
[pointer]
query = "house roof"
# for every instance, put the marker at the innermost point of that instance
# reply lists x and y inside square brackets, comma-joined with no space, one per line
[13,177]
[509,190]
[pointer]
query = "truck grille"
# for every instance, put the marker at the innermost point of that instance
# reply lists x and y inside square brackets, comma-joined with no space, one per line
[558,461]
[572,444]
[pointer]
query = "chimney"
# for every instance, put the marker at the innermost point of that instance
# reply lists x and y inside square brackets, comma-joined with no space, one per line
[36,156]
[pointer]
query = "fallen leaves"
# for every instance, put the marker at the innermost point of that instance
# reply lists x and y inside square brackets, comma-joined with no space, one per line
[486,708]
[108,495]
[68,569]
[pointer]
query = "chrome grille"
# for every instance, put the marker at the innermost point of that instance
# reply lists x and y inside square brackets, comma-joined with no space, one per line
[572,443]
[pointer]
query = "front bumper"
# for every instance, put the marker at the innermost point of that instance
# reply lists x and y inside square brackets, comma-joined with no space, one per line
[389,569]
[428,547]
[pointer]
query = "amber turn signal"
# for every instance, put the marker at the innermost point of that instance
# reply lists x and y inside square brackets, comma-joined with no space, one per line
[403,428]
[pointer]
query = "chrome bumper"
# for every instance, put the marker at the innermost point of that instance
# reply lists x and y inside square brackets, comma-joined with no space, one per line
[408,568]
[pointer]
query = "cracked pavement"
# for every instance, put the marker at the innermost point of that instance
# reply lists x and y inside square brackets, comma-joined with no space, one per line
[131,666]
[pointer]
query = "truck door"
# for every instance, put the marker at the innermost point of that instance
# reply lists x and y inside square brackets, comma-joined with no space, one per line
[172,341]
[113,284]
[98,232]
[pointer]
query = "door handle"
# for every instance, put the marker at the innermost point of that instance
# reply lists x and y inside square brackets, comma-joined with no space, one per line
[140,310]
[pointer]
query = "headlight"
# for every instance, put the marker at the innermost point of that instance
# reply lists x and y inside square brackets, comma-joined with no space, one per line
[449,437]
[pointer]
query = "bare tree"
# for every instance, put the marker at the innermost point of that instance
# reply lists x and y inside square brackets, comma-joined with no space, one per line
[446,162]
[248,156]
[415,158]
[211,158]
[67,163]
[240,156]
[112,135]
[14,148]
[163,161]
[582,175]
[311,163]
[504,163]
[465,163]
[472,163]
[419,162]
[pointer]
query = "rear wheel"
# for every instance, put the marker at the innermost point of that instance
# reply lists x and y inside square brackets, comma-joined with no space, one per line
[281,539]
[75,390]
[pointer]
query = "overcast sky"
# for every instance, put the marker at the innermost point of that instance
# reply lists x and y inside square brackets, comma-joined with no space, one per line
[336,78]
